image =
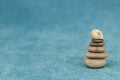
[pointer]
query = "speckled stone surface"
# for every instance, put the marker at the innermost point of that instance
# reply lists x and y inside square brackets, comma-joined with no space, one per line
[96,34]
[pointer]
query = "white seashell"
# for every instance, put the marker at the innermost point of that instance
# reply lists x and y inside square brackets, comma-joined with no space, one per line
[96,34]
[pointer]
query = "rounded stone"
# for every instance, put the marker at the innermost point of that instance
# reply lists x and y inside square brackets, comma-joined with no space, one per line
[96,44]
[96,55]
[96,49]
[96,34]
[97,40]
[95,63]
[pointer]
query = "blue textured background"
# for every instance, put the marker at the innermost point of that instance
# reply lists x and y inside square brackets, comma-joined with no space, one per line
[48,39]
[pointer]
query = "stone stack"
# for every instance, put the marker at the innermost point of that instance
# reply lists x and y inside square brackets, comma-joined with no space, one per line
[95,57]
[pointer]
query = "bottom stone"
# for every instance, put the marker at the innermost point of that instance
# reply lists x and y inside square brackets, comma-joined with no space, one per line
[95,63]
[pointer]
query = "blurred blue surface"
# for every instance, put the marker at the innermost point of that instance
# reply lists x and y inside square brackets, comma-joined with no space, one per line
[48,39]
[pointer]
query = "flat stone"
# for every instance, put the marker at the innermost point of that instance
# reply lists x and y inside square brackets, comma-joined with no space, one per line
[96,49]
[97,40]
[96,44]
[95,63]
[97,55]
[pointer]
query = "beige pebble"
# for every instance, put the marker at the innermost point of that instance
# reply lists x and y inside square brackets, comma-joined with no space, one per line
[97,55]
[96,34]
[95,63]
[96,49]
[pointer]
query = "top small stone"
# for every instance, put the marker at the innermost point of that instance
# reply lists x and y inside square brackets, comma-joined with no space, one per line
[96,34]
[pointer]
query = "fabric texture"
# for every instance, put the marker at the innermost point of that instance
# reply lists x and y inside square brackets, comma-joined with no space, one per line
[48,39]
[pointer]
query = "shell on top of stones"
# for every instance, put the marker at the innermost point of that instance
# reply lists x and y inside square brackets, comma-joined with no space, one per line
[96,34]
